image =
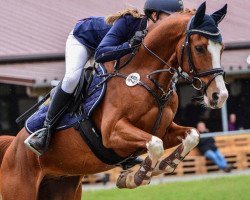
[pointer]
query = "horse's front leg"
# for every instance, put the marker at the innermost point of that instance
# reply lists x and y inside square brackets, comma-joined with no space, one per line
[186,137]
[131,179]
[125,135]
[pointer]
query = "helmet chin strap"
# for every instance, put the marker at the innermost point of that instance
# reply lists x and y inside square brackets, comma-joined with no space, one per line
[149,16]
[157,15]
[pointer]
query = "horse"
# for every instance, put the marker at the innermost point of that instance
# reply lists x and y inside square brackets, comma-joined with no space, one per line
[136,115]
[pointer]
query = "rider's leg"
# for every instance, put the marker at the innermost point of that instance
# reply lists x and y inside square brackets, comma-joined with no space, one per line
[76,56]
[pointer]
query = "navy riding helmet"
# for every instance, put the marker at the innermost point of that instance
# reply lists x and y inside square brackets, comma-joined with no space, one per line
[166,6]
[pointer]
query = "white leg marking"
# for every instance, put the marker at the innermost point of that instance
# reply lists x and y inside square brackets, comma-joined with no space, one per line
[191,140]
[155,148]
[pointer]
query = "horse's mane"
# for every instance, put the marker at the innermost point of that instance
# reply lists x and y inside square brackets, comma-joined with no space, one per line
[174,25]
[185,15]
[188,11]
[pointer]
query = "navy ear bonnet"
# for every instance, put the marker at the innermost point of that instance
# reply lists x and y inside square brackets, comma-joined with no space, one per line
[207,25]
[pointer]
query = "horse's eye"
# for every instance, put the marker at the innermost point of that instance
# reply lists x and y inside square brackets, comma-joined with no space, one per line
[200,49]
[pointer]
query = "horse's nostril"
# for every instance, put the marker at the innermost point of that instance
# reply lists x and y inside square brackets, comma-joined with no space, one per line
[215,96]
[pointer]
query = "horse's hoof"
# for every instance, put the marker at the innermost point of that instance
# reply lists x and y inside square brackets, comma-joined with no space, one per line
[121,181]
[126,180]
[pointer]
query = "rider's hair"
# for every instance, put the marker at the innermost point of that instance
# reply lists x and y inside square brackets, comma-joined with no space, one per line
[129,11]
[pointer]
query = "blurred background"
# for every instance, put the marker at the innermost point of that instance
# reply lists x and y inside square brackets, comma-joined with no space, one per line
[32,41]
[33,36]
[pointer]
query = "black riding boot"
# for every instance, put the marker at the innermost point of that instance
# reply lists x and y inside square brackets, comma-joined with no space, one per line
[40,142]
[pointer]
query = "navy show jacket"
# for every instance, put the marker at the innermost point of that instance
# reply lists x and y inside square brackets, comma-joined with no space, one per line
[109,42]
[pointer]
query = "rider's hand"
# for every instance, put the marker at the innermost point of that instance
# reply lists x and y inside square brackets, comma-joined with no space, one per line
[137,38]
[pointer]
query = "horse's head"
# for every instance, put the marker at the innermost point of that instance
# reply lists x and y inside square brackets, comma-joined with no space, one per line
[200,56]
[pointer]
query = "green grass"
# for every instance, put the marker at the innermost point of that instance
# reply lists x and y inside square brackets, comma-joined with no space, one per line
[226,188]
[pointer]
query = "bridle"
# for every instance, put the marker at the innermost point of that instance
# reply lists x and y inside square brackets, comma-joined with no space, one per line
[192,69]
[196,76]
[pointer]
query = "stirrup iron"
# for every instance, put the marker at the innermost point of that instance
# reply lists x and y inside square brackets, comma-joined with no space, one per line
[26,142]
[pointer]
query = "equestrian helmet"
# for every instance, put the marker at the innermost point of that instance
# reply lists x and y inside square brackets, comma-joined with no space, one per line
[166,6]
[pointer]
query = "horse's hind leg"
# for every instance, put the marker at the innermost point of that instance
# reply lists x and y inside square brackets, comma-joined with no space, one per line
[63,188]
[18,182]
[187,137]
[20,173]
[143,175]
[21,189]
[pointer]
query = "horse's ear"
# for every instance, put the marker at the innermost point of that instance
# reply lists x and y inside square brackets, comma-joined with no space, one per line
[200,13]
[219,15]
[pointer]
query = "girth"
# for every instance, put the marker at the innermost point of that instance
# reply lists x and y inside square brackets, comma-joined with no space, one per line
[93,139]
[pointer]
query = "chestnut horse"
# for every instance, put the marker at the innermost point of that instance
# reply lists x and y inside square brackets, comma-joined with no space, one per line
[128,116]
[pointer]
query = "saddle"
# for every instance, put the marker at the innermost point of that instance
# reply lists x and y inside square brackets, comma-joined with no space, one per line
[81,107]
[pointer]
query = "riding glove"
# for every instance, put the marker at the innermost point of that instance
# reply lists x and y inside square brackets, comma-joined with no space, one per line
[137,38]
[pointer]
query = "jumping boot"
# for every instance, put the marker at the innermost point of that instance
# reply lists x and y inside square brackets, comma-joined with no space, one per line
[38,142]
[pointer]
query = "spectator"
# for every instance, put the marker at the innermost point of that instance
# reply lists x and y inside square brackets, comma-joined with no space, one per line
[232,122]
[208,148]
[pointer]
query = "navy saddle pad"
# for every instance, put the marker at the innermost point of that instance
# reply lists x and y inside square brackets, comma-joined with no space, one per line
[96,92]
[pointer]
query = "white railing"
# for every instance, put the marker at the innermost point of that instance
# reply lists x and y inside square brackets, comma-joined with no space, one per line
[226,133]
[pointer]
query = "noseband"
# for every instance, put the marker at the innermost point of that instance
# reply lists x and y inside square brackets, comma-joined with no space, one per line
[196,76]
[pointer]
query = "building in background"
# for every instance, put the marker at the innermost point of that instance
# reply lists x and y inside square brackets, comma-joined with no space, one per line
[33,36]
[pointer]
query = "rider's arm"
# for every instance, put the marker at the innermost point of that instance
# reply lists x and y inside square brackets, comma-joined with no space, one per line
[115,44]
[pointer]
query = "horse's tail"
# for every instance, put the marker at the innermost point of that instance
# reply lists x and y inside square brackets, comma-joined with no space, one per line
[5,142]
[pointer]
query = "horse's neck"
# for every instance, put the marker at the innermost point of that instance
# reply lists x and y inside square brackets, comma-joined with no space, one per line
[163,41]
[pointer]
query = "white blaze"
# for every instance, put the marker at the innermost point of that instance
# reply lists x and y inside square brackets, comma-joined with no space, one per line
[215,50]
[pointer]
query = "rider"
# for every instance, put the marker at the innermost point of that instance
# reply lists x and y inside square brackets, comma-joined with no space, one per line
[109,39]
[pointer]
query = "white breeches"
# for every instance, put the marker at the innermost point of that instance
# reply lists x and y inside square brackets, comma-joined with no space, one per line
[76,56]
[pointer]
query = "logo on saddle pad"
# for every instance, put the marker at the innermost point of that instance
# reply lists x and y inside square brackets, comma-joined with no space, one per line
[132,79]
